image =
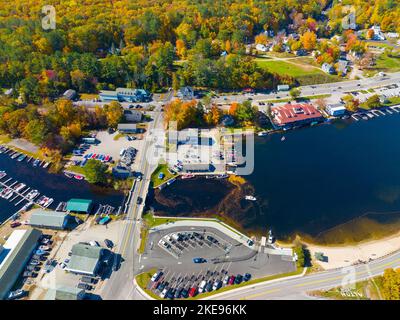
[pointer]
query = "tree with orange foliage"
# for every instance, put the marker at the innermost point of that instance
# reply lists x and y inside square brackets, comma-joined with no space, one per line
[309,40]
[180,48]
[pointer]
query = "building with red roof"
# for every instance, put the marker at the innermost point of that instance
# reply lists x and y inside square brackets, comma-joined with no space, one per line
[292,115]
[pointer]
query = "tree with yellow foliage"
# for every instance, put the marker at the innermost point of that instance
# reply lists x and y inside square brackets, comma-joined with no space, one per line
[309,40]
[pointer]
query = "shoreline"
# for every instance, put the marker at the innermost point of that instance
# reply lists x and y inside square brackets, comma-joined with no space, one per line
[340,256]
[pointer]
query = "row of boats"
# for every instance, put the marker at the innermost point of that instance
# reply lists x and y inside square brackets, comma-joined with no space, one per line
[16,189]
[19,156]
[71,175]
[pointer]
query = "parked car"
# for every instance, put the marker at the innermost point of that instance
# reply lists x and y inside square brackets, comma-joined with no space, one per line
[238,279]
[192,292]
[247,277]
[94,243]
[202,286]
[109,243]
[85,286]
[17,294]
[87,279]
[217,285]
[185,293]
[156,276]
[164,292]
[231,280]
[15,224]
[209,286]
[170,293]
[199,260]
[226,279]
[178,293]
[117,262]
[139,200]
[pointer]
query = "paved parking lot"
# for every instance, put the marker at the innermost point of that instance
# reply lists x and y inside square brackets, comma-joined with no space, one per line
[224,257]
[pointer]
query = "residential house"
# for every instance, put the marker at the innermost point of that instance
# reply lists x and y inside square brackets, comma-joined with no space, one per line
[133,115]
[328,68]
[70,94]
[186,93]
[336,110]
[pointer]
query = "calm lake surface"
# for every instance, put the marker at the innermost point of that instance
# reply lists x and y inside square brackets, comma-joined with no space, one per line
[319,177]
[55,186]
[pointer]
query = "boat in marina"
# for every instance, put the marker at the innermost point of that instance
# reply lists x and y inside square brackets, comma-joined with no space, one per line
[2,174]
[78,177]
[26,207]
[263,133]
[169,182]
[36,162]
[210,177]
[21,158]
[19,187]
[283,138]
[32,194]
[68,175]
[250,198]
[188,176]
[222,176]
[48,202]
[46,165]
[14,155]
[7,193]
[44,201]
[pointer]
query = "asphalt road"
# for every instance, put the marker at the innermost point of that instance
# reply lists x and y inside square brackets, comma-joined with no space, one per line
[120,285]
[339,88]
[297,288]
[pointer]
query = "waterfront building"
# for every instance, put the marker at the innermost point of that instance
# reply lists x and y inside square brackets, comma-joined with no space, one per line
[292,115]
[49,219]
[336,110]
[85,259]
[70,94]
[125,95]
[79,205]
[14,255]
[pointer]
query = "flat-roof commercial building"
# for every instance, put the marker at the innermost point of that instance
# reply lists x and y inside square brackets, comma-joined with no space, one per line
[79,205]
[125,95]
[128,128]
[292,115]
[85,259]
[14,255]
[49,219]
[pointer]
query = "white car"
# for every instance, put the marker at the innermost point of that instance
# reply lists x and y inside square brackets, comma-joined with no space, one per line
[154,277]
[94,243]
[202,286]
[63,265]
[226,279]
[164,293]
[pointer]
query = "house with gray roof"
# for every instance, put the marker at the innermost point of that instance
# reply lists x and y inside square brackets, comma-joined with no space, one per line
[85,259]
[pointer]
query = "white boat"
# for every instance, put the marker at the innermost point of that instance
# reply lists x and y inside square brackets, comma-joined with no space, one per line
[46,165]
[32,194]
[8,194]
[270,237]
[283,138]
[19,187]
[250,198]
[48,202]
[263,133]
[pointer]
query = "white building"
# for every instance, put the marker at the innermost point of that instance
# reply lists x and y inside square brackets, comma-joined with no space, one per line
[261,47]
[378,34]
[336,110]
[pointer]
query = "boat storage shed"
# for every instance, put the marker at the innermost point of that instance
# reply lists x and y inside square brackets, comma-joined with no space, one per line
[14,255]
[49,219]
[79,205]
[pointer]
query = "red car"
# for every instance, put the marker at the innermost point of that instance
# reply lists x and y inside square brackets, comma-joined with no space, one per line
[231,280]
[15,224]
[94,156]
[192,292]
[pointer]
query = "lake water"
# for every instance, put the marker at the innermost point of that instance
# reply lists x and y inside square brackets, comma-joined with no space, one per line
[320,177]
[55,186]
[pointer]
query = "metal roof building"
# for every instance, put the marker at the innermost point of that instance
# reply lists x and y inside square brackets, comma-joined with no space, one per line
[14,255]
[79,205]
[65,293]
[49,219]
[85,259]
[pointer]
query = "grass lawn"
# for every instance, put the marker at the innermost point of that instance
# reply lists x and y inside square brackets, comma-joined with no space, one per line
[162,168]
[363,290]
[392,102]
[88,96]
[143,279]
[305,74]
[384,63]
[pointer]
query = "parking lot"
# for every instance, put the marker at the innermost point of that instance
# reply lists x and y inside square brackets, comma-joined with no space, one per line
[110,147]
[194,260]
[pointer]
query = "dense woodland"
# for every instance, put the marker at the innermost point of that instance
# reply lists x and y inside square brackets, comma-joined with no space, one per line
[101,44]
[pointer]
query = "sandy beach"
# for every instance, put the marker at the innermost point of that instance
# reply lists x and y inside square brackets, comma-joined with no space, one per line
[342,256]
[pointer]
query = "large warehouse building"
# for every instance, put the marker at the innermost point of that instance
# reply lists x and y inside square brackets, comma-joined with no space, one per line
[14,255]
